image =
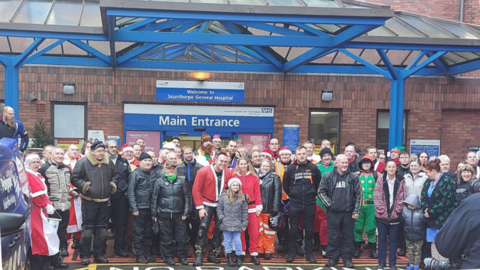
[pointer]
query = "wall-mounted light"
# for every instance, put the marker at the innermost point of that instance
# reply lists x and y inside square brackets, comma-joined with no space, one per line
[201,76]
[69,88]
[327,95]
[32,97]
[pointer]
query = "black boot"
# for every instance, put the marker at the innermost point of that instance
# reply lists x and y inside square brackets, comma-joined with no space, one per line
[310,258]
[169,261]
[299,249]
[283,249]
[212,257]
[76,243]
[229,260]
[141,259]
[198,259]
[254,260]
[358,249]
[316,242]
[373,250]
[239,260]
[402,252]
[290,258]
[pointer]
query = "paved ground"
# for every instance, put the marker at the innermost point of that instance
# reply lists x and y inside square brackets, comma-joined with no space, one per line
[247,266]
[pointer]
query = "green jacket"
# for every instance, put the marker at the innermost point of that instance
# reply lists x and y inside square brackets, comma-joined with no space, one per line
[323,170]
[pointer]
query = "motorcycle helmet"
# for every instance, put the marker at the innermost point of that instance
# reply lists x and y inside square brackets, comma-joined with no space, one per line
[276,221]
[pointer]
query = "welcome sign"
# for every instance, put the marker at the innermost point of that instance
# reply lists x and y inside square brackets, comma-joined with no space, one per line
[201,91]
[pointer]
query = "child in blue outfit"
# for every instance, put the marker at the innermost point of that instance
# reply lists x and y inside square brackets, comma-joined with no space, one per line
[414,230]
[232,212]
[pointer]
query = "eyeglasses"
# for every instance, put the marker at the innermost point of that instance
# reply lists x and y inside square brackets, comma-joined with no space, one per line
[11,113]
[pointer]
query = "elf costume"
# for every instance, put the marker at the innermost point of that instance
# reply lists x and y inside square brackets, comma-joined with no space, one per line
[366,216]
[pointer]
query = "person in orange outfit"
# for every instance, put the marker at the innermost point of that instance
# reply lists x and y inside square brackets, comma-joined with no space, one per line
[251,187]
[271,191]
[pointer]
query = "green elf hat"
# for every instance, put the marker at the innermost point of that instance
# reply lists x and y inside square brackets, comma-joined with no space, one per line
[399,148]
[239,139]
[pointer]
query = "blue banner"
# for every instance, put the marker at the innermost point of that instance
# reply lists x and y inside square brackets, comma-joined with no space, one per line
[291,136]
[196,91]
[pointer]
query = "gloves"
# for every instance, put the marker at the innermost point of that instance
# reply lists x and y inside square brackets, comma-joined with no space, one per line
[114,187]
[50,209]
[86,187]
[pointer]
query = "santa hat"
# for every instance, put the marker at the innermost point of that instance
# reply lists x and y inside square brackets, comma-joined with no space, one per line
[126,147]
[232,180]
[284,150]
[268,152]
[216,138]
[205,137]
[31,156]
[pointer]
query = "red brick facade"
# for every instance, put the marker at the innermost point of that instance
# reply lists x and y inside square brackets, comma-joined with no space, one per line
[438,108]
[445,9]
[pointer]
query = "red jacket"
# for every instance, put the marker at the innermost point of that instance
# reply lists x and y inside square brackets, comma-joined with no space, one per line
[251,187]
[204,190]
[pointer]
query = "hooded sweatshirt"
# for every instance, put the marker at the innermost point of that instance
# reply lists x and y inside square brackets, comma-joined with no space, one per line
[414,227]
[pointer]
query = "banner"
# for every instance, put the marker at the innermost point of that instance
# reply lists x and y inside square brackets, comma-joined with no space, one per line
[432,147]
[95,135]
[200,91]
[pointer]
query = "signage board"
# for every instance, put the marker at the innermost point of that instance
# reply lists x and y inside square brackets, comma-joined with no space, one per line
[198,118]
[255,139]
[65,143]
[200,91]
[432,147]
[151,138]
[291,136]
[96,135]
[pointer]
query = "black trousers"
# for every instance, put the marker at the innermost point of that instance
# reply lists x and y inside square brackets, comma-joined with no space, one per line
[119,220]
[142,232]
[340,228]
[193,223]
[201,243]
[37,262]
[173,227]
[62,227]
[402,244]
[95,220]
[297,211]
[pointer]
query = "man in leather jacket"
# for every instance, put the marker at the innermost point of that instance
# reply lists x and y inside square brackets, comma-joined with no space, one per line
[118,200]
[188,169]
[96,178]
[341,193]
[300,182]
[139,193]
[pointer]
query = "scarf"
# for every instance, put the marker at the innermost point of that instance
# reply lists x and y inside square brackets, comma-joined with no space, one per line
[171,177]
[113,158]
[262,176]
[350,160]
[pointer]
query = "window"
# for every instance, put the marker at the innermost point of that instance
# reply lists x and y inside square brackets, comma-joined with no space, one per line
[383,128]
[69,121]
[324,125]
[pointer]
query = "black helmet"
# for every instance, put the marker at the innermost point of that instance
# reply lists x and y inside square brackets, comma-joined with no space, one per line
[475,186]
[276,221]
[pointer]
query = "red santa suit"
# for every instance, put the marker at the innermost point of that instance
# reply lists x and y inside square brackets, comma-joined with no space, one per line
[75,221]
[251,187]
[45,241]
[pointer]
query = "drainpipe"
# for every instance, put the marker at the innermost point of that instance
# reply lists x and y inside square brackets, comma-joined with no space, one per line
[462,2]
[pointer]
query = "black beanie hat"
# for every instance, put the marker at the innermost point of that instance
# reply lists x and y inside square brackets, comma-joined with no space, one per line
[144,156]
[96,145]
[326,151]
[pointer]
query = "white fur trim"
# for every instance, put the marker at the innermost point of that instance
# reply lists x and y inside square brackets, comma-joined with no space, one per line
[285,151]
[128,148]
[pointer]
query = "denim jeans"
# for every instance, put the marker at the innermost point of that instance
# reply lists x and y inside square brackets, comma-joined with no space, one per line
[237,241]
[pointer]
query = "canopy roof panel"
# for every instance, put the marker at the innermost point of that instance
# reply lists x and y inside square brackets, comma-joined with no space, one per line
[245,35]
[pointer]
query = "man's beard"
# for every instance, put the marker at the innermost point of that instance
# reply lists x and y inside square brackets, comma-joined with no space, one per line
[206,149]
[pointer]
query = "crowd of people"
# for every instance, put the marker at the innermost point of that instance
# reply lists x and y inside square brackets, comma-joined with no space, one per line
[215,198]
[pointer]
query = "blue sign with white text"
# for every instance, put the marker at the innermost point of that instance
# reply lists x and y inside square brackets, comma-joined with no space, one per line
[291,136]
[200,91]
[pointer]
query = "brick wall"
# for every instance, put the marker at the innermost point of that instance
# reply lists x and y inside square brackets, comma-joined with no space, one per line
[446,9]
[429,101]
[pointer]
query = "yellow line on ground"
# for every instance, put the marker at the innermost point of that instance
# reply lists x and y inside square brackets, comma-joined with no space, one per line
[216,264]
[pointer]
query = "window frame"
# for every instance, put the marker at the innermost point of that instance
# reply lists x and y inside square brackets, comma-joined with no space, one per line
[52,113]
[339,125]
[406,114]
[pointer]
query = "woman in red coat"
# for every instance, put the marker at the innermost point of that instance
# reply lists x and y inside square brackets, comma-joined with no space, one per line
[251,187]
[44,238]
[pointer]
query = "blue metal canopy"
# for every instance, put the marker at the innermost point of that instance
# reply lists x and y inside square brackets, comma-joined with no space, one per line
[290,36]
